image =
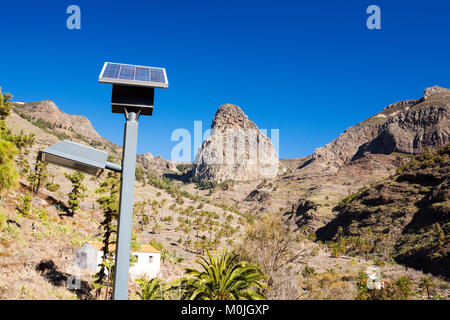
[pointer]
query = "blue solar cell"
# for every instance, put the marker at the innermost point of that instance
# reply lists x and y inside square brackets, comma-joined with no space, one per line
[157,75]
[142,74]
[133,75]
[112,71]
[127,72]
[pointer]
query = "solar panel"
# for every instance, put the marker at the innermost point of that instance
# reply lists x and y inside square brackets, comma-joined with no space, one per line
[142,74]
[126,74]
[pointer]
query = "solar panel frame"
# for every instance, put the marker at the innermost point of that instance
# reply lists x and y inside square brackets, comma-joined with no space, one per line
[103,78]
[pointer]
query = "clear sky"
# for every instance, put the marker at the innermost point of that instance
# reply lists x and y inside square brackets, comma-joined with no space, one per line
[308,68]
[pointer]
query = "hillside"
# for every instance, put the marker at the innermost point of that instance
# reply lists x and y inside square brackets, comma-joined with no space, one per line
[184,216]
[62,122]
[405,217]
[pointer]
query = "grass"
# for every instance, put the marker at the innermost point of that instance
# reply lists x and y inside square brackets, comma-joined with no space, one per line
[346,201]
[55,230]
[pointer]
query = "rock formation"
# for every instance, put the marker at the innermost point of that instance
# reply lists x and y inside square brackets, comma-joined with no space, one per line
[235,150]
[156,164]
[406,127]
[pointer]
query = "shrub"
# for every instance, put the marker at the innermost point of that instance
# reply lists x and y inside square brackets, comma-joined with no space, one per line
[346,201]
[27,200]
[52,187]
[308,271]
[42,214]
[3,221]
[8,172]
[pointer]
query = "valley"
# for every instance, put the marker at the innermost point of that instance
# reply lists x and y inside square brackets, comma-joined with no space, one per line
[320,207]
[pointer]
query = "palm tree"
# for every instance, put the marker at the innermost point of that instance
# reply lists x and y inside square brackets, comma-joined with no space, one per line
[151,289]
[224,278]
[427,284]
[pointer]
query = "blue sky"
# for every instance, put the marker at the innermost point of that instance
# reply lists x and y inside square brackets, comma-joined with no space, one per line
[308,68]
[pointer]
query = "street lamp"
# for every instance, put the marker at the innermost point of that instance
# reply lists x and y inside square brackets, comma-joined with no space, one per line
[132,95]
[75,156]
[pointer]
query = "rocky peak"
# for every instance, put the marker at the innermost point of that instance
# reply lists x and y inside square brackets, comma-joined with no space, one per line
[236,149]
[230,116]
[436,91]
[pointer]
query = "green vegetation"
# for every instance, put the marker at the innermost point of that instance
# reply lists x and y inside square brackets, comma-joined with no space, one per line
[308,271]
[78,189]
[165,184]
[25,208]
[223,278]
[211,185]
[8,172]
[345,202]
[400,289]
[52,187]
[109,203]
[219,278]
[150,289]
[140,174]
[351,245]
[428,159]
[46,126]
[37,176]
[428,285]
[3,221]
[10,145]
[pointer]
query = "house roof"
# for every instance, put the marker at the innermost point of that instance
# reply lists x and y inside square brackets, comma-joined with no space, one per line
[112,247]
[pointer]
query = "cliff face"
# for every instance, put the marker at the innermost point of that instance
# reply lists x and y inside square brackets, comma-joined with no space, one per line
[236,149]
[406,127]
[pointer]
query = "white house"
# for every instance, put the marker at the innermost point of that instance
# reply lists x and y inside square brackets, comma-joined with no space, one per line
[374,275]
[89,257]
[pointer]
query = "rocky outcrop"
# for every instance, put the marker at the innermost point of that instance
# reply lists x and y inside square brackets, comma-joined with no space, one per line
[305,215]
[235,150]
[261,196]
[157,164]
[405,127]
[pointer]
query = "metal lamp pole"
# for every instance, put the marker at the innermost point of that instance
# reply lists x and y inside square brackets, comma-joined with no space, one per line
[122,259]
[133,94]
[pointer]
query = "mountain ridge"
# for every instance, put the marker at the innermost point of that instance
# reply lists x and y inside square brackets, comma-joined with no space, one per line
[405,126]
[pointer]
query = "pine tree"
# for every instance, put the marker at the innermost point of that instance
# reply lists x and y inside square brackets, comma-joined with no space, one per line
[5,105]
[110,205]
[8,171]
[23,142]
[77,190]
[27,200]
[37,176]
